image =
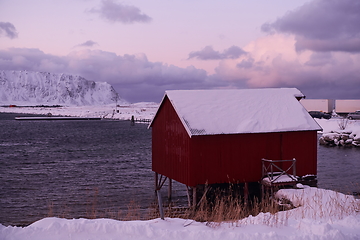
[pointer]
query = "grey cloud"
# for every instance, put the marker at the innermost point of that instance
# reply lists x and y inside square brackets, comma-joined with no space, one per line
[340,44]
[117,12]
[322,25]
[8,30]
[319,59]
[246,63]
[88,43]
[208,53]
[318,85]
[30,59]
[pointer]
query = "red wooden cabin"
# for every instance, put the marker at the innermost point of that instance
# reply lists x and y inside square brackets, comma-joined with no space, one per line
[220,136]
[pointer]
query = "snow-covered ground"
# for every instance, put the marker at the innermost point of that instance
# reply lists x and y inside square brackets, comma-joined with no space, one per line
[333,125]
[319,213]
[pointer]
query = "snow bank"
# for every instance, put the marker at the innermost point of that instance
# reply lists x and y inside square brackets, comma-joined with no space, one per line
[180,229]
[320,214]
[315,203]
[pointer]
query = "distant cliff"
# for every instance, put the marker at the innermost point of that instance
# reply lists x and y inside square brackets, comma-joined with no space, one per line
[44,88]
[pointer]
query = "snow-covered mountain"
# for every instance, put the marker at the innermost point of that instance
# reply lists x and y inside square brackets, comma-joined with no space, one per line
[44,88]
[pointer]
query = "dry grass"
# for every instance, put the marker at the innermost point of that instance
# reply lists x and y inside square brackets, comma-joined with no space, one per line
[342,123]
[223,207]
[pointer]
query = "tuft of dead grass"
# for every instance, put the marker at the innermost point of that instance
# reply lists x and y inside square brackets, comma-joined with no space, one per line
[227,206]
[224,206]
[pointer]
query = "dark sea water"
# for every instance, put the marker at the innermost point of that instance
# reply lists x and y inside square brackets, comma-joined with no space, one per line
[90,169]
[339,169]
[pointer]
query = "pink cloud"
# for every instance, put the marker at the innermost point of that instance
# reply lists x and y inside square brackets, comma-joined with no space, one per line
[273,61]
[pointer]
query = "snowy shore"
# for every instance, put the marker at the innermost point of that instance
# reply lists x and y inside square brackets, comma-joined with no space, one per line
[340,132]
[147,110]
[142,110]
[318,213]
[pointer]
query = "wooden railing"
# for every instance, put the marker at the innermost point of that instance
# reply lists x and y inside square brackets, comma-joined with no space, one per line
[274,173]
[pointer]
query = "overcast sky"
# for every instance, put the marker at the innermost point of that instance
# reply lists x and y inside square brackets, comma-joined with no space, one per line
[144,47]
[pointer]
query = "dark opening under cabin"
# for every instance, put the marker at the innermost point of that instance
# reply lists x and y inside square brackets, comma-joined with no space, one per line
[222,136]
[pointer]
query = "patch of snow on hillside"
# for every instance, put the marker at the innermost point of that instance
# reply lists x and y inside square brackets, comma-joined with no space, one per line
[43,88]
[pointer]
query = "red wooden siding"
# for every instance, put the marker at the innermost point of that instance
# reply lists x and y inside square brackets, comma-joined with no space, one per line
[170,145]
[227,157]
[237,158]
[303,147]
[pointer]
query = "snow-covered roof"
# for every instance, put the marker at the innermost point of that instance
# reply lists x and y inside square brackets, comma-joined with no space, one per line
[230,111]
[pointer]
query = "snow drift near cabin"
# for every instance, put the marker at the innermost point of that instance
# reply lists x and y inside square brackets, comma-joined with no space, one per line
[44,88]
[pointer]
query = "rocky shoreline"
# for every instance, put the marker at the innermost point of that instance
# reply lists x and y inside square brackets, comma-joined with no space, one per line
[340,138]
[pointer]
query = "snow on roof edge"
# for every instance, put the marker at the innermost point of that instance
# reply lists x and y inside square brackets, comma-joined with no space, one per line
[172,104]
[157,110]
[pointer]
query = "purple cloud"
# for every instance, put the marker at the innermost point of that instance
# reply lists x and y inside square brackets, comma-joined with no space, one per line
[320,59]
[117,12]
[246,63]
[208,53]
[322,25]
[8,30]
[133,76]
[30,59]
[88,43]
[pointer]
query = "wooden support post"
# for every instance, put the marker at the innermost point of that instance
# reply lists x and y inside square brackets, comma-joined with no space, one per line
[246,192]
[188,195]
[194,200]
[206,189]
[156,181]
[160,204]
[170,189]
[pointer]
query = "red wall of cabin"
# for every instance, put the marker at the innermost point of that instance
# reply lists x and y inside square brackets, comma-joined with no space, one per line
[170,145]
[223,158]
[237,157]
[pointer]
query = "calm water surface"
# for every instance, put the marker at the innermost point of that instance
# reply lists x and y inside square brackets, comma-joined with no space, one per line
[102,168]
